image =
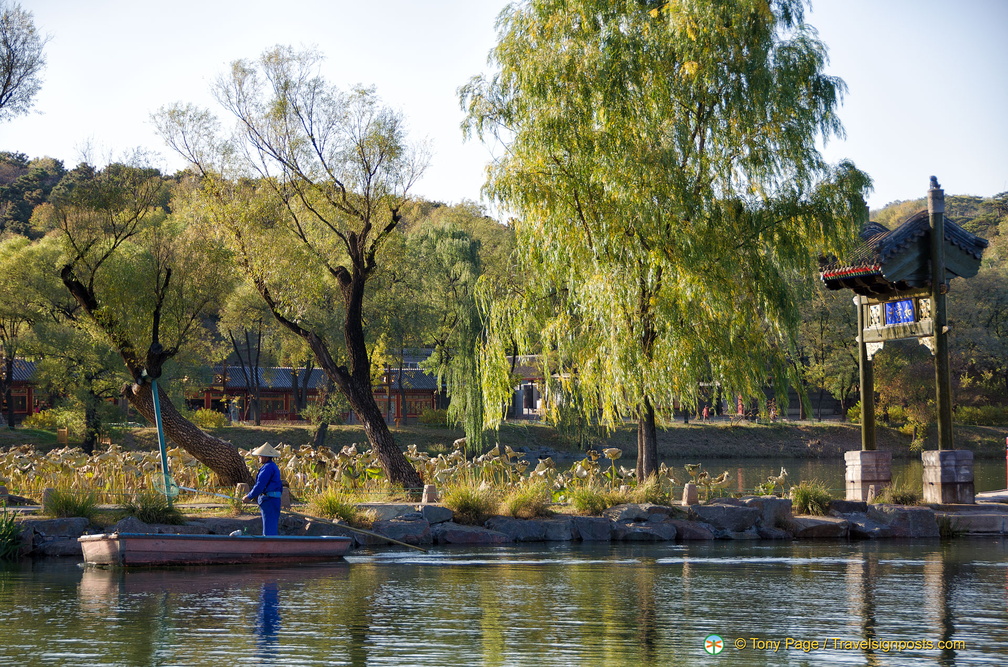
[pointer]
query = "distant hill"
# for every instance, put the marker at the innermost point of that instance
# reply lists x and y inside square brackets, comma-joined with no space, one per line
[977,215]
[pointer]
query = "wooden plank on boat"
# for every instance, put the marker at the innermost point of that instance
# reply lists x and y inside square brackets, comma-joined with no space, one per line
[148,549]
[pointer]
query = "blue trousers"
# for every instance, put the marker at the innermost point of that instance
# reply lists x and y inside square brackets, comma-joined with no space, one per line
[269,508]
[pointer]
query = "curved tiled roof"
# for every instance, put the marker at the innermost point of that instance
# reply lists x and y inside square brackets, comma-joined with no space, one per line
[879,263]
[24,371]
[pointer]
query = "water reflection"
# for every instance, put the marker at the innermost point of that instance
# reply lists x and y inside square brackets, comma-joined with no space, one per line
[861,601]
[542,605]
[268,618]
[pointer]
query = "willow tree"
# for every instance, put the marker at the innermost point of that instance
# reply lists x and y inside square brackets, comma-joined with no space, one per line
[661,160]
[326,173]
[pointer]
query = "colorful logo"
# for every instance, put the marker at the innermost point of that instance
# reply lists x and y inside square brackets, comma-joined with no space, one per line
[713,644]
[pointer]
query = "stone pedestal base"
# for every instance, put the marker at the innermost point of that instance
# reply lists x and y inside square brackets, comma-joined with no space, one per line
[867,469]
[948,477]
[430,494]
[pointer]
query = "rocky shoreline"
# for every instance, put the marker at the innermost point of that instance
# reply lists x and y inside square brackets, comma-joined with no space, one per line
[750,518]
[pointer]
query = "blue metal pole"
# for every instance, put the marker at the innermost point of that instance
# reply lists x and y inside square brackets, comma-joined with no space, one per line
[161,442]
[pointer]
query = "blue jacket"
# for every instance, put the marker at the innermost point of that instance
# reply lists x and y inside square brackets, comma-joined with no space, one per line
[267,481]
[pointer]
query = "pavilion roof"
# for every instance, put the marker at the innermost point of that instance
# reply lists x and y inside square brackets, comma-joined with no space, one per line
[887,262]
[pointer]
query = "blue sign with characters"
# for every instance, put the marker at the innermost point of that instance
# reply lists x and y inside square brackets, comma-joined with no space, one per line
[900,312]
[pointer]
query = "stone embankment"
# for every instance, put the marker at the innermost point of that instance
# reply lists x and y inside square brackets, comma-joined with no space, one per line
[752,518]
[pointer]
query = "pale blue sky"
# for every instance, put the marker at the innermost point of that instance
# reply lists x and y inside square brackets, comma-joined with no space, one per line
[928,80]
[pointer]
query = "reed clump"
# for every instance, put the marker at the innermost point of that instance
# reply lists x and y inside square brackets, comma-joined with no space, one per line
[63,503]
[151,507]
[338,505]
[472,503]
[810,497]
[529,501]
[592,500]
[10,535]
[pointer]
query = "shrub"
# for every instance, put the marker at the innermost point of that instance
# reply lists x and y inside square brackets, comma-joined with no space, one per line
[338,505]
[471,503]
[592,500]
[330,408]
[810,497]
[527,502]
[152,507]
[898,493]
[431,417]
[901,496]
[650,491]
[61,503]
[55,418]
[854,413]
[902,490]
[205,418]
[982,415]
[10,536]
[897,415]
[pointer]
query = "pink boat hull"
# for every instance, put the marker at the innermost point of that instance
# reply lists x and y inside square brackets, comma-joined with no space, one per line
[143,549]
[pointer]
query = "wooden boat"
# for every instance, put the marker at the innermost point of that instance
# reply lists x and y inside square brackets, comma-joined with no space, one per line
[146,549]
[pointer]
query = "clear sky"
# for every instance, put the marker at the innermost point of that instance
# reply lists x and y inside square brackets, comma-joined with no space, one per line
[928,80]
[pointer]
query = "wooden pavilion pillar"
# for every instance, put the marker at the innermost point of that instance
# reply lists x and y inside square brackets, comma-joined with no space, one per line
[867,471]
[948,472]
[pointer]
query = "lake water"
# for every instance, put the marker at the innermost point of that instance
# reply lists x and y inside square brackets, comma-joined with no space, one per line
[539,605]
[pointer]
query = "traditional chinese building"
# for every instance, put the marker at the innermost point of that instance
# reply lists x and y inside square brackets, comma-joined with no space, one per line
[901,278]
[22,391]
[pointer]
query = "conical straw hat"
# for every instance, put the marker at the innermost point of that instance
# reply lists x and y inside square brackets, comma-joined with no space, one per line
[265,450]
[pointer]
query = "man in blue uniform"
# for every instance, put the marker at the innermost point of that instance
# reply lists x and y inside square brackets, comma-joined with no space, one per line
[268,489]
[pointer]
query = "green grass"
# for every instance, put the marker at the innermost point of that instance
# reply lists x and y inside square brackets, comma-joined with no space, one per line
[650,491]
[61,503]
[810,497]
[151,507]
[902,490]
[340,506]
[10,535]
[26,436]
[592,500]
[529,501]
[471,503]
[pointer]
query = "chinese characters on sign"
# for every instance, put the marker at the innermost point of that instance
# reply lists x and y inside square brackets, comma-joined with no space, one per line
[899,312]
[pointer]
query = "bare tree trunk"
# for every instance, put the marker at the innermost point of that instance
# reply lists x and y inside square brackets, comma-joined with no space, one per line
[7,384]
[92,423]
[647,442]
[249,363]
[300,388]
[354,379]
[320,434]
[395,465]
[219,455]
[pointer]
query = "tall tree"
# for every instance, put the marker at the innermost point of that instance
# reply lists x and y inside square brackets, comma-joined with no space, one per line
[69,361]
[249,362]
[333,169]
[21,60]
[828,347]
[24,185]
[18,312]
[661,161]
[145,280]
